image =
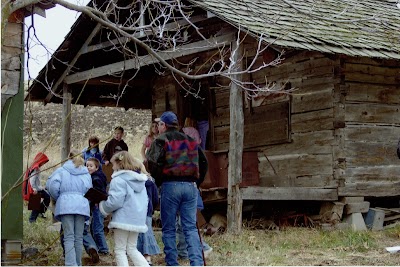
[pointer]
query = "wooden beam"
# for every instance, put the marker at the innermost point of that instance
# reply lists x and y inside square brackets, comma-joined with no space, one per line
[168,27]
[136,63]
[289,193]
[66,119]
[72,63]
[235,202]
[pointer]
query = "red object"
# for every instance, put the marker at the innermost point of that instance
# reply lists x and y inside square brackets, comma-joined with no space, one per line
[39,160]
[217,175]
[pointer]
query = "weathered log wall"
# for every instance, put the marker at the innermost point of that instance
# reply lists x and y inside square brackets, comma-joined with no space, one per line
[372,118]
[306,158]
[337,129]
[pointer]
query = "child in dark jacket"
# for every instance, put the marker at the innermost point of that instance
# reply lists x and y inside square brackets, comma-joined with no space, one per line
[99,181]
[147,243]
[114,145]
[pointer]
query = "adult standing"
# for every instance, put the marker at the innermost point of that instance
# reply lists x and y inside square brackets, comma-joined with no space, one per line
[178,164]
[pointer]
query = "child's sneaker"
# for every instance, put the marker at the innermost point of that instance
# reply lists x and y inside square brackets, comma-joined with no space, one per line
[207,252]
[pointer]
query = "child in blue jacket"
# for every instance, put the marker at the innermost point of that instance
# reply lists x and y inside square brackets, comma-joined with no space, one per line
[127,201]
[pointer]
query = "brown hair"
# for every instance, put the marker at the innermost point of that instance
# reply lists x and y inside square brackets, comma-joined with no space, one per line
[189,122]
[95,161]
[76,158]
[126,162]
[94,139]
[119,128]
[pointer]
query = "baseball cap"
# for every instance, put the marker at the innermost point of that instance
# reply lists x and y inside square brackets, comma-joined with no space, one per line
[169,118]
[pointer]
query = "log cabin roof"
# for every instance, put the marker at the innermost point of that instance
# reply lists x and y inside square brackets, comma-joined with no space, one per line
[366,28]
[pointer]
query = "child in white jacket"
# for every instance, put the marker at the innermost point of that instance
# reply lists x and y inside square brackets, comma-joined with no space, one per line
[127,201]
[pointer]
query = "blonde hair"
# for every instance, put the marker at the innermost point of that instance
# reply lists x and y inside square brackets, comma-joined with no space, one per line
[126,162]
[189,122]
[151,134]
[76,158]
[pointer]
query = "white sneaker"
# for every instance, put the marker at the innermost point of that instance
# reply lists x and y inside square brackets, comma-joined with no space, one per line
[207,252]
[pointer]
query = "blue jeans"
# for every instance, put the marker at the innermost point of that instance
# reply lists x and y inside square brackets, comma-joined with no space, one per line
[73,226]
[43,206]
[98,230]
[180,197]
[203,127]
[88,241]
[182,247]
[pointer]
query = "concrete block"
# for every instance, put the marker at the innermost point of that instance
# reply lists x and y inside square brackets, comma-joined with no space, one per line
[356,221]
[362,207]
[347,200]
[331,211]
[374,219]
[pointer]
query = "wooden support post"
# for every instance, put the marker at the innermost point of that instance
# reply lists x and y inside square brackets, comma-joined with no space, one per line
[235,202]
[66,118]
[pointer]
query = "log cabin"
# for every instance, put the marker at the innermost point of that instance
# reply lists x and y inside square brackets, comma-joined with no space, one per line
[329,131]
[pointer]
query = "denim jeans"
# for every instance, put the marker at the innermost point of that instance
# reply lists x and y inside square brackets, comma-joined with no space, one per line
[98,230]
[73,226]
[43,206]
[182,247]
[88,241]
[180,197]
[126,243]
[203,127]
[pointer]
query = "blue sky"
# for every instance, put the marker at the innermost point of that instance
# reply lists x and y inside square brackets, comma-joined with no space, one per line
[51,32]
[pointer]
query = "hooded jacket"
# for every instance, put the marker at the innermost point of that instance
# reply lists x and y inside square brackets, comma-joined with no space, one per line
[68,185]
[31,178]
[127,201]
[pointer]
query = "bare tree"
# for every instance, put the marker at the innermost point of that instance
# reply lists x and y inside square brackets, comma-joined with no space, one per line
[165,29]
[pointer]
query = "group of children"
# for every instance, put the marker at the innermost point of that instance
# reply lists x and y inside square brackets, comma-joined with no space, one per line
[132,198]
[131,189]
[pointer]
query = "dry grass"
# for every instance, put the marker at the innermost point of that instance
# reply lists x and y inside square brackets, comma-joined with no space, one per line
[291,246]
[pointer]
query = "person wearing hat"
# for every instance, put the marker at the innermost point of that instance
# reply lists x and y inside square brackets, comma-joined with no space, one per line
[179,165]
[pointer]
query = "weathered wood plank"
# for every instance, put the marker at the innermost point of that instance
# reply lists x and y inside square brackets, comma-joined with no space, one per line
[66,118]
[136,63]
[235,202]
[373,61]
[374,79]
[370,154]
[264,133]
[370,189]
[264,193]
[321,181]
[304,101]
[371,70]
[319,142]
[313,121]
[296,165]
[370,113]
[385,173]
[371,93]
[372,133]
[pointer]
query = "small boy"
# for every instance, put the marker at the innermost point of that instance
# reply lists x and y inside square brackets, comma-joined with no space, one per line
[114,145]
[99,181]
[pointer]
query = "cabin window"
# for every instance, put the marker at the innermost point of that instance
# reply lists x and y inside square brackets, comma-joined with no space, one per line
[266,119]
